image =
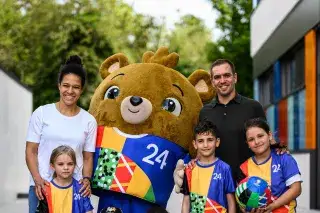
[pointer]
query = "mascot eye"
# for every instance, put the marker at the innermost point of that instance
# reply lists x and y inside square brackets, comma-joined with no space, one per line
[172,105]
[112,92]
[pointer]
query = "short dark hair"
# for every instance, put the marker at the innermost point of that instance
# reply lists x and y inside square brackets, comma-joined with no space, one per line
[257,122]
[204,127]
[263,124]
[220,62]
[73,65]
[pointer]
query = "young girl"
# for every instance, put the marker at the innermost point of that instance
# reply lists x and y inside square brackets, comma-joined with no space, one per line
[63,193]
[280,171]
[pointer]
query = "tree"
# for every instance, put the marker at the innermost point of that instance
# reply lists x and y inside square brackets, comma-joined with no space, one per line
[235,43]
[38,35]
[189,39]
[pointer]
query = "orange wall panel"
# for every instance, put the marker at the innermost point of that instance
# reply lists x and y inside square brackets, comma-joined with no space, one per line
[310,81]
[283,121]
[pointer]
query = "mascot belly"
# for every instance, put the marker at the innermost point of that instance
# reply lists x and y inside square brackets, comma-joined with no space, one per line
[146,113]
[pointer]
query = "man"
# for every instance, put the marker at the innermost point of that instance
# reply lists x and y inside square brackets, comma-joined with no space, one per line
[228,111]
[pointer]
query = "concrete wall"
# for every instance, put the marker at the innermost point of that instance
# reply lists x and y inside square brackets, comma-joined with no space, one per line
[15,111]
[266,18]
[303,160]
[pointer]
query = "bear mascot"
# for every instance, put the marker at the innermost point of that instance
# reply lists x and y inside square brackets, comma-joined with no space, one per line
[146,113]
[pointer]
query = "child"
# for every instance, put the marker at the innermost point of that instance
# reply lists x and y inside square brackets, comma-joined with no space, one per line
[209,185]
[280,171]
[62,195]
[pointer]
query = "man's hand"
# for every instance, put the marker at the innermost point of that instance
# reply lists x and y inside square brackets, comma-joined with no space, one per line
[178,175]
[86,188]
[40,187]
[191,164]
[280,148]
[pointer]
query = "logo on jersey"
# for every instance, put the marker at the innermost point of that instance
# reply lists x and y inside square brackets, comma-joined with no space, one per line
[76,196]
[276,168]
[257,183]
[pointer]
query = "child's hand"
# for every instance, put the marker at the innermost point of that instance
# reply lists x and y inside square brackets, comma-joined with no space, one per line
[86,188]
[257,210]
[269,208]
[253,210]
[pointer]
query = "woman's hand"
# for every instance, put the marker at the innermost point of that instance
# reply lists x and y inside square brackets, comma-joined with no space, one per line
[40,187]
[86,188]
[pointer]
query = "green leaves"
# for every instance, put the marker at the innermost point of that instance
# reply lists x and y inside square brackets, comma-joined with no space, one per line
[37,36]
[235,43]
[189,39]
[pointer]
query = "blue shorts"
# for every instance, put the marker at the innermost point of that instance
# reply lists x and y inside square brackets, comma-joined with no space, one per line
[32,200]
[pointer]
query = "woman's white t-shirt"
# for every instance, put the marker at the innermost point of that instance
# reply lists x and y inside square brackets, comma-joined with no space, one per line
[50,128]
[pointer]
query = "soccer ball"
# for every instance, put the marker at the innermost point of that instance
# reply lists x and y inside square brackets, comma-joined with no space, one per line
[253,192]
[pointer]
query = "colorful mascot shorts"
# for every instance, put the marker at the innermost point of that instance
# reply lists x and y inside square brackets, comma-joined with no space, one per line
[138,165]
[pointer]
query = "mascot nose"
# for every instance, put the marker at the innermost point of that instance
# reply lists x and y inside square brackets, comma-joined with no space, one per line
[135,100]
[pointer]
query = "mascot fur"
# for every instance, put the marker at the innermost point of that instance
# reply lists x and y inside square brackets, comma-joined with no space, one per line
[146,113]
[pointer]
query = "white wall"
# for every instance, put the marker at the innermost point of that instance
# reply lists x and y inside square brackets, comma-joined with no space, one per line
[15,111]
[266,18]
[303,160]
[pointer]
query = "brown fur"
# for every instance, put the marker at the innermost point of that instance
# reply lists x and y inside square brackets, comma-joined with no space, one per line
[153,79]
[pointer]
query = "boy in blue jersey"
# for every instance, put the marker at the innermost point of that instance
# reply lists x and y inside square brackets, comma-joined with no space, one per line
[208,186]
[280,171]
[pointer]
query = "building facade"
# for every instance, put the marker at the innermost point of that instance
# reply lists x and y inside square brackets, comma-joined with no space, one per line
[285,48]
[15,111]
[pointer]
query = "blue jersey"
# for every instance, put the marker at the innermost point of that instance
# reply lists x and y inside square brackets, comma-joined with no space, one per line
[280,171]
[141,166]
[67,199]
[208,186]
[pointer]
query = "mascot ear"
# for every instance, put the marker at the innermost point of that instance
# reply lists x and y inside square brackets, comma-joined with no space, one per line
[112,64]
[200,79]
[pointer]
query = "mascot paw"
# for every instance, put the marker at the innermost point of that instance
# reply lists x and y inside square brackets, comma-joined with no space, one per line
[178,176]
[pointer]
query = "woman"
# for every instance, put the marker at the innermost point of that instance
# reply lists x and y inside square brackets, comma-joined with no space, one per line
[61,123]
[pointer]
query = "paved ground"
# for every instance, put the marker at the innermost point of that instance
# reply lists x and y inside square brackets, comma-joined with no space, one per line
[21,206]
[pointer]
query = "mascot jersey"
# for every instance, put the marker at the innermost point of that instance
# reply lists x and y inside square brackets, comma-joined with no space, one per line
[280,171]
[137,165]
[208,186]
[64,199]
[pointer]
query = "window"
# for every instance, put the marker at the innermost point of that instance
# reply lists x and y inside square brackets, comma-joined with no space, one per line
[292,70]
[266,88]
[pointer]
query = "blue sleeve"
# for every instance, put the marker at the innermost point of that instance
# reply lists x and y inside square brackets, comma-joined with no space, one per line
[289,166]
[229,183]
[87,204]
[187,159]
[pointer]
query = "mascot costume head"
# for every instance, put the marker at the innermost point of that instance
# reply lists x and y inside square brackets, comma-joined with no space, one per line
[146,113]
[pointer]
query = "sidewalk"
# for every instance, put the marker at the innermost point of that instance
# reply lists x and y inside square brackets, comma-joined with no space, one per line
[21,206]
